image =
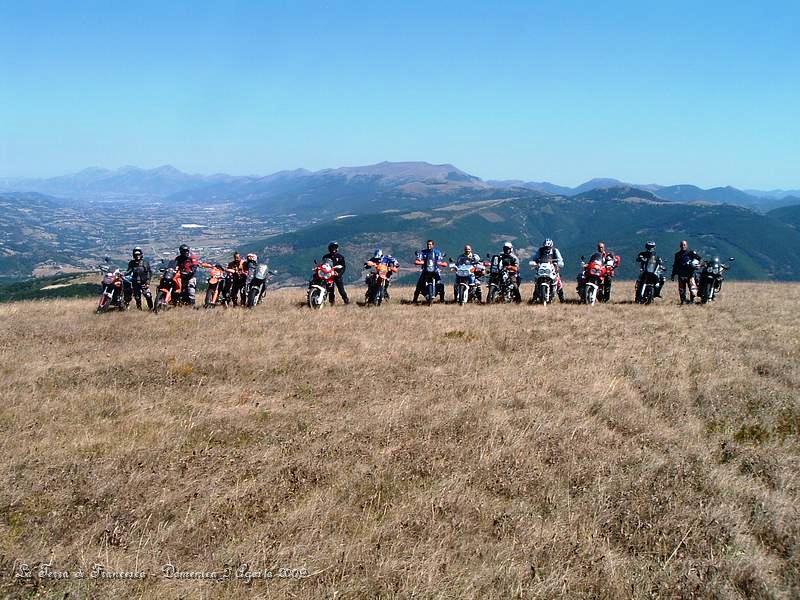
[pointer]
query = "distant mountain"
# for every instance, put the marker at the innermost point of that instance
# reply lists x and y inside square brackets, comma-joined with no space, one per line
[539,186]
[94,182]
[774,194]
[623,217]
[788,215]
[330,192]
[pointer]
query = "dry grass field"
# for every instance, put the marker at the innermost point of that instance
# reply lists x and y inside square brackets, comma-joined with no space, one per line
[618,451]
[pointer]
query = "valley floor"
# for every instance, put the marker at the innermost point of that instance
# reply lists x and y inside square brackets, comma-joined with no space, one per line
[470,452]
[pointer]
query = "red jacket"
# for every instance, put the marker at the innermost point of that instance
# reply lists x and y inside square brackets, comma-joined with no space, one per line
[187,265]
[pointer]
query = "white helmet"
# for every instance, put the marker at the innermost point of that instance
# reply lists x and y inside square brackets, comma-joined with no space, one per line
[508,245]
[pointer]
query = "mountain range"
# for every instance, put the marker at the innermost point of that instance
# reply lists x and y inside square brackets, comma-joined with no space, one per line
[285,189]
[70,222]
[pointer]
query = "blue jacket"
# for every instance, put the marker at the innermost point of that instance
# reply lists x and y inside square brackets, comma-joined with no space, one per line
[435,255]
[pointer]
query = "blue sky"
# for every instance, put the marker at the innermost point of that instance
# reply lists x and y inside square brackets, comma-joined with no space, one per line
[666,92]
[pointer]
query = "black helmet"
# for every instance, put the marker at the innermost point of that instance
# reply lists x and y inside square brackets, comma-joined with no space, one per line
[137,251]
[333,246]
[184,249]
[650,245]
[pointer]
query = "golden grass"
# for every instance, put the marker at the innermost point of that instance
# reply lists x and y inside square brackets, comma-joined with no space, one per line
[470,452]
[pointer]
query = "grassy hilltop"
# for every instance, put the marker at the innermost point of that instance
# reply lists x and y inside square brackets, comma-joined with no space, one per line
[470,452]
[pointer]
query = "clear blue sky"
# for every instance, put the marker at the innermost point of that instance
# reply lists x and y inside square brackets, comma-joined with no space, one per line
[668,92]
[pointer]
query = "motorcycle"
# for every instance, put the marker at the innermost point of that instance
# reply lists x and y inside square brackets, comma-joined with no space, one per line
[219,285]
[468,284]
[591,282]
[258,275]
[502,280]
[711,278]
[649,277]
[321,284]
[546,286]
[429,270]
[111,293]
[170,287]
[377,281]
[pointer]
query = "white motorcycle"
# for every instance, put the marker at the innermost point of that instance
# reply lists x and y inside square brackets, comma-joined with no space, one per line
[546,286]
[468,285]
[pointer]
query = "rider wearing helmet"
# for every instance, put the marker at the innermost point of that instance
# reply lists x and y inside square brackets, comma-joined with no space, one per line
[429,253]
[187,264]
[469,257]
[509,259]
[547,252]
[140,273]
[684,267]
[338,278]
[379,257]
[643,257]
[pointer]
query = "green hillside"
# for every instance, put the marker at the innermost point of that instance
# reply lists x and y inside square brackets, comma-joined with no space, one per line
[47,288]
[623,218]
[788,215]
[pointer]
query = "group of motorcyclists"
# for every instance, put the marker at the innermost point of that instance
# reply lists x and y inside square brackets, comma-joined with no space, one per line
[469,269]
[135,280]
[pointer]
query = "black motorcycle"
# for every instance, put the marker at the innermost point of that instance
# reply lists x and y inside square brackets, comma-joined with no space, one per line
[257,277]
[711,278]
[649,280]
[502,281]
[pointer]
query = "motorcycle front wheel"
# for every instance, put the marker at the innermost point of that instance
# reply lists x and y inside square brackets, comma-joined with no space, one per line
[591,295]
[252,297]
[315,298]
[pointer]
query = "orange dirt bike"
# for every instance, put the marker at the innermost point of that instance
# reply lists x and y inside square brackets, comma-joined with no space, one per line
[378,279]
[219,285]
[170,288]
[111,295]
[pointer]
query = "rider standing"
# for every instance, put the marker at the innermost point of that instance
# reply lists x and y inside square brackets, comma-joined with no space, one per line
[432,253]
[684,268]
[187,266]
[238,278]
[338,278]
[643,257]
[140,273]
[549,253]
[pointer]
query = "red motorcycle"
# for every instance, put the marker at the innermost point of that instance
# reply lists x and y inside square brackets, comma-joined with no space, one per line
[321,284]
[592,279]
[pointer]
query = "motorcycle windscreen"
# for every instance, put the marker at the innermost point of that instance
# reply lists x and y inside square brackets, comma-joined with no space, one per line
[261,271]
